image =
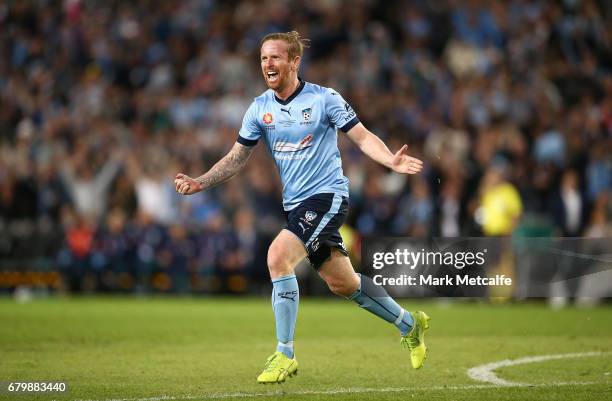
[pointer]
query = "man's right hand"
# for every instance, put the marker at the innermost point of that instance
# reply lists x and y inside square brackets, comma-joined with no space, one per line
[186,185]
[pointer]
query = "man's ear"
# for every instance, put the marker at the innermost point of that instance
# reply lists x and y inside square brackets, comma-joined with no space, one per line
[296,63]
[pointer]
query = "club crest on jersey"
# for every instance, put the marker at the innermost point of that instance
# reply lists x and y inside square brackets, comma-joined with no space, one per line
[267,118]
[306,113]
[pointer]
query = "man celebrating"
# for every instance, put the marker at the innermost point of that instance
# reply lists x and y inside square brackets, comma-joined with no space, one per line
[298,122]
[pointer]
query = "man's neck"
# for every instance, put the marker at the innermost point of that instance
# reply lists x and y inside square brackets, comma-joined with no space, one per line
[284,95]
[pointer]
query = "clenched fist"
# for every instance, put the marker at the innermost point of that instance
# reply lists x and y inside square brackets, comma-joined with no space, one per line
[186,185]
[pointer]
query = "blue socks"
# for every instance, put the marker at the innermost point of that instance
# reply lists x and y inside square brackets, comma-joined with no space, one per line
[285,299]
[369,296]
[376,300]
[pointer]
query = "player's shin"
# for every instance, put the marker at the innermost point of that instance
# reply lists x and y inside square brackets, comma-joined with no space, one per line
[376,300]
[285,299]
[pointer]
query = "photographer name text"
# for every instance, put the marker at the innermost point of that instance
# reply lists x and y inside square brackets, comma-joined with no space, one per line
[447,280]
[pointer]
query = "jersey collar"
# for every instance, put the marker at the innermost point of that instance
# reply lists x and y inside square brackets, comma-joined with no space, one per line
[293,95]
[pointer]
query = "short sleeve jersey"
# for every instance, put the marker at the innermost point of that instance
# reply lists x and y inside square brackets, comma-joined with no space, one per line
[301,135]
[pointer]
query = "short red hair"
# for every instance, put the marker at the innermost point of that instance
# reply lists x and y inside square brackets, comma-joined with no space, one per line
[293,39]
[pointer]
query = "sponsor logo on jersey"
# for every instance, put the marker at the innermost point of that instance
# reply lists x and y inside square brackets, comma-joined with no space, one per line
[288,120]
[267,118]
[305,143]
[292,156]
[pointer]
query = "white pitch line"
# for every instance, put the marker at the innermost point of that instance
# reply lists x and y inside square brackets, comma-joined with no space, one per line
[353,390]
[485,373]
[482,373]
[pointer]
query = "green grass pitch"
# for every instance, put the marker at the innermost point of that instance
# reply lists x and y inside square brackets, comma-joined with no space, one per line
[158,349]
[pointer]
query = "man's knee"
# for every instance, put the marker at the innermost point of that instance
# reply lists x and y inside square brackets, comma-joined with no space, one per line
[277,263]
[340,276]
[284,254]
[344,288]
[280,259]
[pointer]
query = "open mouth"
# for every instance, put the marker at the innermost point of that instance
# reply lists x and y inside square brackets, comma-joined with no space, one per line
[272,76]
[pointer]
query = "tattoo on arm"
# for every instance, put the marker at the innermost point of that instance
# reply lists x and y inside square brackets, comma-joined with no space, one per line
[227,167]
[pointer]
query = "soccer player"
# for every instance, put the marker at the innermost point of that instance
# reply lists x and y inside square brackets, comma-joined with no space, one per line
[298,121]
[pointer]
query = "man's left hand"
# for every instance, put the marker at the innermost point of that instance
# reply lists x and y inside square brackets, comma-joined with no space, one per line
[404,164]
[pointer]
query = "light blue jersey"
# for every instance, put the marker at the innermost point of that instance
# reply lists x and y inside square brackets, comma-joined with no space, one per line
[300,133]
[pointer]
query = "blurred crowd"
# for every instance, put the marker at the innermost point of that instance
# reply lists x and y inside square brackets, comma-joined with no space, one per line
[509,104]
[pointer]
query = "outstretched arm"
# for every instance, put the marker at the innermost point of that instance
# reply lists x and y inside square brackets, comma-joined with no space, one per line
[222,171]
[376,149]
